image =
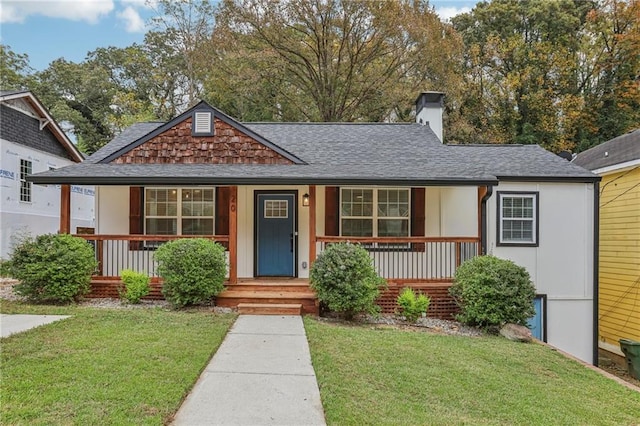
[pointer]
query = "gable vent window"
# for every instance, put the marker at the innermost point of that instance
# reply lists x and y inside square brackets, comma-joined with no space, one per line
[202,124]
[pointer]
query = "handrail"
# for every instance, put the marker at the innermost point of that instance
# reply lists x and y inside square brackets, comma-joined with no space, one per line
[366,240]
[137,237]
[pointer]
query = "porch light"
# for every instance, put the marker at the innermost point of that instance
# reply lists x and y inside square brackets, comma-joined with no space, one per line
[305,200]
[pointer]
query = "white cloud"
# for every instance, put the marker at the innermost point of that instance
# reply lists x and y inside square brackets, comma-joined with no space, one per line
[133,22]
[76,10]
[448,12]
[147,4]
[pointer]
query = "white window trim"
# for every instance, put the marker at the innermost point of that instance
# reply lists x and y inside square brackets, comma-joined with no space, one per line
[178,215]
[374,210]
[534,242]
[23,181]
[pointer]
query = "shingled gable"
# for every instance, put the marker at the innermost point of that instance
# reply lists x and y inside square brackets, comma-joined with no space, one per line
[13,99]
[175,142]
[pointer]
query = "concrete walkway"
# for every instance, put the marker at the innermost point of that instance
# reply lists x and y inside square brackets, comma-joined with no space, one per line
[261,375]
[11,324]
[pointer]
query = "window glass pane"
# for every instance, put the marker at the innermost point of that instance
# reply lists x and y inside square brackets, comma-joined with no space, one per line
[197,226]
[357,202]
[393,203]
[159,226]
[393,228]
[357,227]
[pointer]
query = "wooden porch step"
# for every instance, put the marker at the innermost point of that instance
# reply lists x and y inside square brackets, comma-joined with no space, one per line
[281,286]
[233,297]
[270,308]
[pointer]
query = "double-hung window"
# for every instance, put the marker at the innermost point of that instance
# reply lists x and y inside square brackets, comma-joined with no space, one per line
[179,211]
[26,168]
[518,218]
[374,212]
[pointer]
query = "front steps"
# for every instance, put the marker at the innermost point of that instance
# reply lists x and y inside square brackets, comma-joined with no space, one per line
[270,297]
[270,308]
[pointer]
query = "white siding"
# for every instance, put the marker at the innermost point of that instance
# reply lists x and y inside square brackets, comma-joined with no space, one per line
[42,214]
[562,265]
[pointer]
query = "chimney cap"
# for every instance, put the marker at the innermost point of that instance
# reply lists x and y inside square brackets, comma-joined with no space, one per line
[429,98]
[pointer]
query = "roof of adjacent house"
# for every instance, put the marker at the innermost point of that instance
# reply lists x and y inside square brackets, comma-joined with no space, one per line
[617,151]
[46,119]
[332,154]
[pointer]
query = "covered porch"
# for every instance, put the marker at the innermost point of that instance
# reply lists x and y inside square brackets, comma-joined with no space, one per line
[422,256]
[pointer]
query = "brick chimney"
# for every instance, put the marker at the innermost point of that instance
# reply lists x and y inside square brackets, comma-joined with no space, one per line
[429,106]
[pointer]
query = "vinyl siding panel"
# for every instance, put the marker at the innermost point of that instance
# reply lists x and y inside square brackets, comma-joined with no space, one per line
[619,302]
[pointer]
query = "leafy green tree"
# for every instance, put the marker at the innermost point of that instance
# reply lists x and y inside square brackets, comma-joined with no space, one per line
[181,28]
[15,71]
[520,69]
[327,60]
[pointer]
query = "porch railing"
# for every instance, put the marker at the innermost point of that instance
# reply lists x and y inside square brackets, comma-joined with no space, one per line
[115,253]
[413,259]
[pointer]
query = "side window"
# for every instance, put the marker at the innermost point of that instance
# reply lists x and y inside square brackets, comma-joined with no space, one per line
[518,218]
[26,168]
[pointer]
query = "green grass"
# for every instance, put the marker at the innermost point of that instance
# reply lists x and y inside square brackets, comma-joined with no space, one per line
[104,366]
[371,376]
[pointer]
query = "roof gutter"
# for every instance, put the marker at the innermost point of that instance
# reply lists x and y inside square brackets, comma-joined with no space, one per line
[558,179]
[204,180]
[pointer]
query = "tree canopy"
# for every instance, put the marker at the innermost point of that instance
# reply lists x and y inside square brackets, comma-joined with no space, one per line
[564,74]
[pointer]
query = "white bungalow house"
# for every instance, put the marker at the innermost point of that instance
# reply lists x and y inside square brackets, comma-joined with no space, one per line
[275,194]
[32,142]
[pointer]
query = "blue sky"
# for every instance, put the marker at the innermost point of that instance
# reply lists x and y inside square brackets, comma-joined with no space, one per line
[50,29]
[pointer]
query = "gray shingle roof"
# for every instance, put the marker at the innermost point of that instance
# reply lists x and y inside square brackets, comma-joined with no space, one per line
[335,153]
[521,161]
[615,151]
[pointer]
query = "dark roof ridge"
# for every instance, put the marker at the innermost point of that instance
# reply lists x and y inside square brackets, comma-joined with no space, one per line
[324,123]
[483,145]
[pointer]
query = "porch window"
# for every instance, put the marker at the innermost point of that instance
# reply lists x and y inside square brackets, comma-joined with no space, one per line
[374,212]
[518,218]
[179,211]
[26,168]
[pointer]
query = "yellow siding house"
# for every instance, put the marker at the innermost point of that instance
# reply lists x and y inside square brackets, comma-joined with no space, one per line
[618,162]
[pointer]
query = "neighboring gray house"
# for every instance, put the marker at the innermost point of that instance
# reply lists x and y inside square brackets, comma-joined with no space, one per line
[31,142]
[275,194]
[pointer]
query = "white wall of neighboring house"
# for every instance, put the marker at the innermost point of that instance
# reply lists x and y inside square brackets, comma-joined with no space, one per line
[42,214]
[561,266]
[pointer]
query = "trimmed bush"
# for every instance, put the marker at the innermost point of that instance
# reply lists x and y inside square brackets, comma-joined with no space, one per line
[135,286]
[192,270]
[413,306]
[5,268]
[345,280]
[53,268]
[492,292]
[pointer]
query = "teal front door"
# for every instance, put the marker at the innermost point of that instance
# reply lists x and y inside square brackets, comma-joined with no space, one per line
[275,237]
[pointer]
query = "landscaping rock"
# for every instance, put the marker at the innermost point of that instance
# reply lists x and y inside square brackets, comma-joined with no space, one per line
[515,332]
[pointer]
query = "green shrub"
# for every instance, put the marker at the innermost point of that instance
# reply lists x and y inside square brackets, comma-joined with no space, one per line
[192,270]
[5,268]
[345,280]
[413,306]
[53,267]
[135,286]
[492,292]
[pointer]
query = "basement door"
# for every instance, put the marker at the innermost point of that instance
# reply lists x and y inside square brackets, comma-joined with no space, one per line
[538,322]
[275,235]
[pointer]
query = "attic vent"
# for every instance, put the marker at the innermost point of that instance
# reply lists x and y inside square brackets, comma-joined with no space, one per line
[203,124]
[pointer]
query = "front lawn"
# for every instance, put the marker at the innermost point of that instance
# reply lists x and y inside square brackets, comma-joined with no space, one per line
[378,376]
[105,366]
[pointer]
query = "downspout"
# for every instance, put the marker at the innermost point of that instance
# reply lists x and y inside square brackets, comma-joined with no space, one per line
[596,260]
[483,219]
